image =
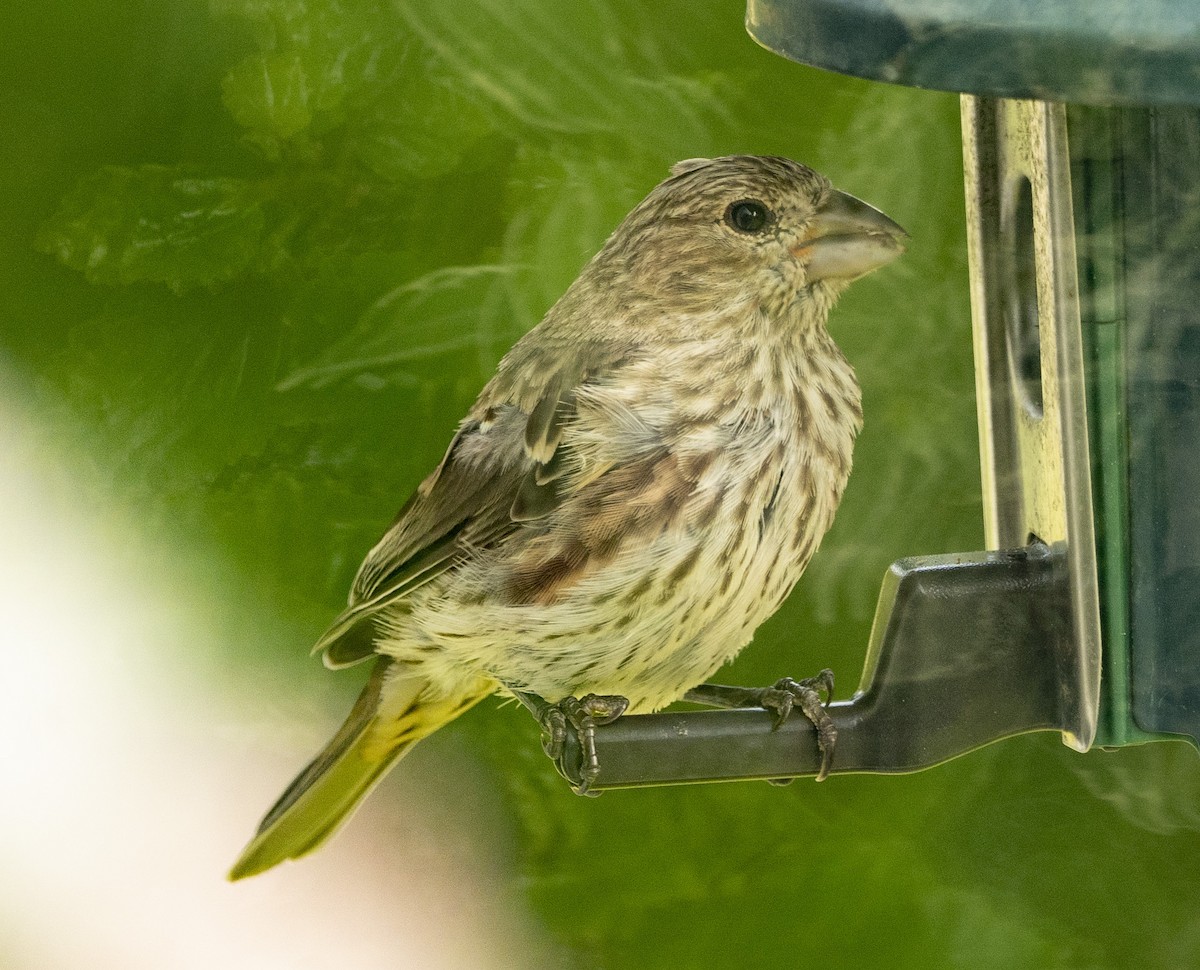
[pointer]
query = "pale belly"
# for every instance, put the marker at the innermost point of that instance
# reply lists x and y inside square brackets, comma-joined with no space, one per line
[658,620]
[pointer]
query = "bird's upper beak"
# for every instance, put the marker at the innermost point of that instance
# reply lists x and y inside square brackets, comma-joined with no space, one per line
[846,239]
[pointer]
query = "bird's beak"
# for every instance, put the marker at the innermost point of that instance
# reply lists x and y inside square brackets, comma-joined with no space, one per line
[847,238]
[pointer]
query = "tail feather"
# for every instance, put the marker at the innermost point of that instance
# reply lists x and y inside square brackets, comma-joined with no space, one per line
[387,719]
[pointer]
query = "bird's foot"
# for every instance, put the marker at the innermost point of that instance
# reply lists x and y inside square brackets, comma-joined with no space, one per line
[787,694]
[584,715]
[780,700]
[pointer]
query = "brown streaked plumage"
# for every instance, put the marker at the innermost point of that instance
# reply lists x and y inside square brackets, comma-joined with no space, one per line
[638,487]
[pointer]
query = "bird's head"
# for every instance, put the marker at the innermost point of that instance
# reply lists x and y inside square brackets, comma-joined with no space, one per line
[726,232]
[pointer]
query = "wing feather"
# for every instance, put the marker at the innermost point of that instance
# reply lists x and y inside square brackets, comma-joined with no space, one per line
[503,470]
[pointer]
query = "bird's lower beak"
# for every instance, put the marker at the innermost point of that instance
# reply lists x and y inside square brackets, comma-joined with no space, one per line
[847,238]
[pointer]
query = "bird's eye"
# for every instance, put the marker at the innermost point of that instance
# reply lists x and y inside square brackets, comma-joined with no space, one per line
[748,216]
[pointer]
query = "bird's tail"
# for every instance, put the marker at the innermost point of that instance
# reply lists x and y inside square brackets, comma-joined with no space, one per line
[389,717]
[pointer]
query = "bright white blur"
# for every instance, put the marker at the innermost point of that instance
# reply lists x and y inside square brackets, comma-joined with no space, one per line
[127,786]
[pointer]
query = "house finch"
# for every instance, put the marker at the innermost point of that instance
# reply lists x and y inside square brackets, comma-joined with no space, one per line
[638,487]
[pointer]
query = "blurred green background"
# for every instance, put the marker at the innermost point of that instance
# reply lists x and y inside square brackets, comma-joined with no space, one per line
[258,256]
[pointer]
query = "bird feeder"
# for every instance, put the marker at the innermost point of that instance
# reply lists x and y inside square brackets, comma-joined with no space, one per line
[1081,137]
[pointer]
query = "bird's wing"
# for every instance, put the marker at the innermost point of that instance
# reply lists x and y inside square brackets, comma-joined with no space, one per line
[503,468]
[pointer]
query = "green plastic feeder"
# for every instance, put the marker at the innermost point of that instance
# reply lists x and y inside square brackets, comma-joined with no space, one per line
[1081,135]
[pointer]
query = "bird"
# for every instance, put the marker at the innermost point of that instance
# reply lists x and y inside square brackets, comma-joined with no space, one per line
[637,488]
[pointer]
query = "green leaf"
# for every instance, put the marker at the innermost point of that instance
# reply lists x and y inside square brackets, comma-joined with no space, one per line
[271,95]
[425,128]
[156,224]
[320,63]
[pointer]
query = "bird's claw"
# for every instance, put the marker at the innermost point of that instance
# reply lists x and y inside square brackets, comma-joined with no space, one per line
[584,714]
[787,694]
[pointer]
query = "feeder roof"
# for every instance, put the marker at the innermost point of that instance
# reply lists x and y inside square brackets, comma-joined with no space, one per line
[1101,52]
